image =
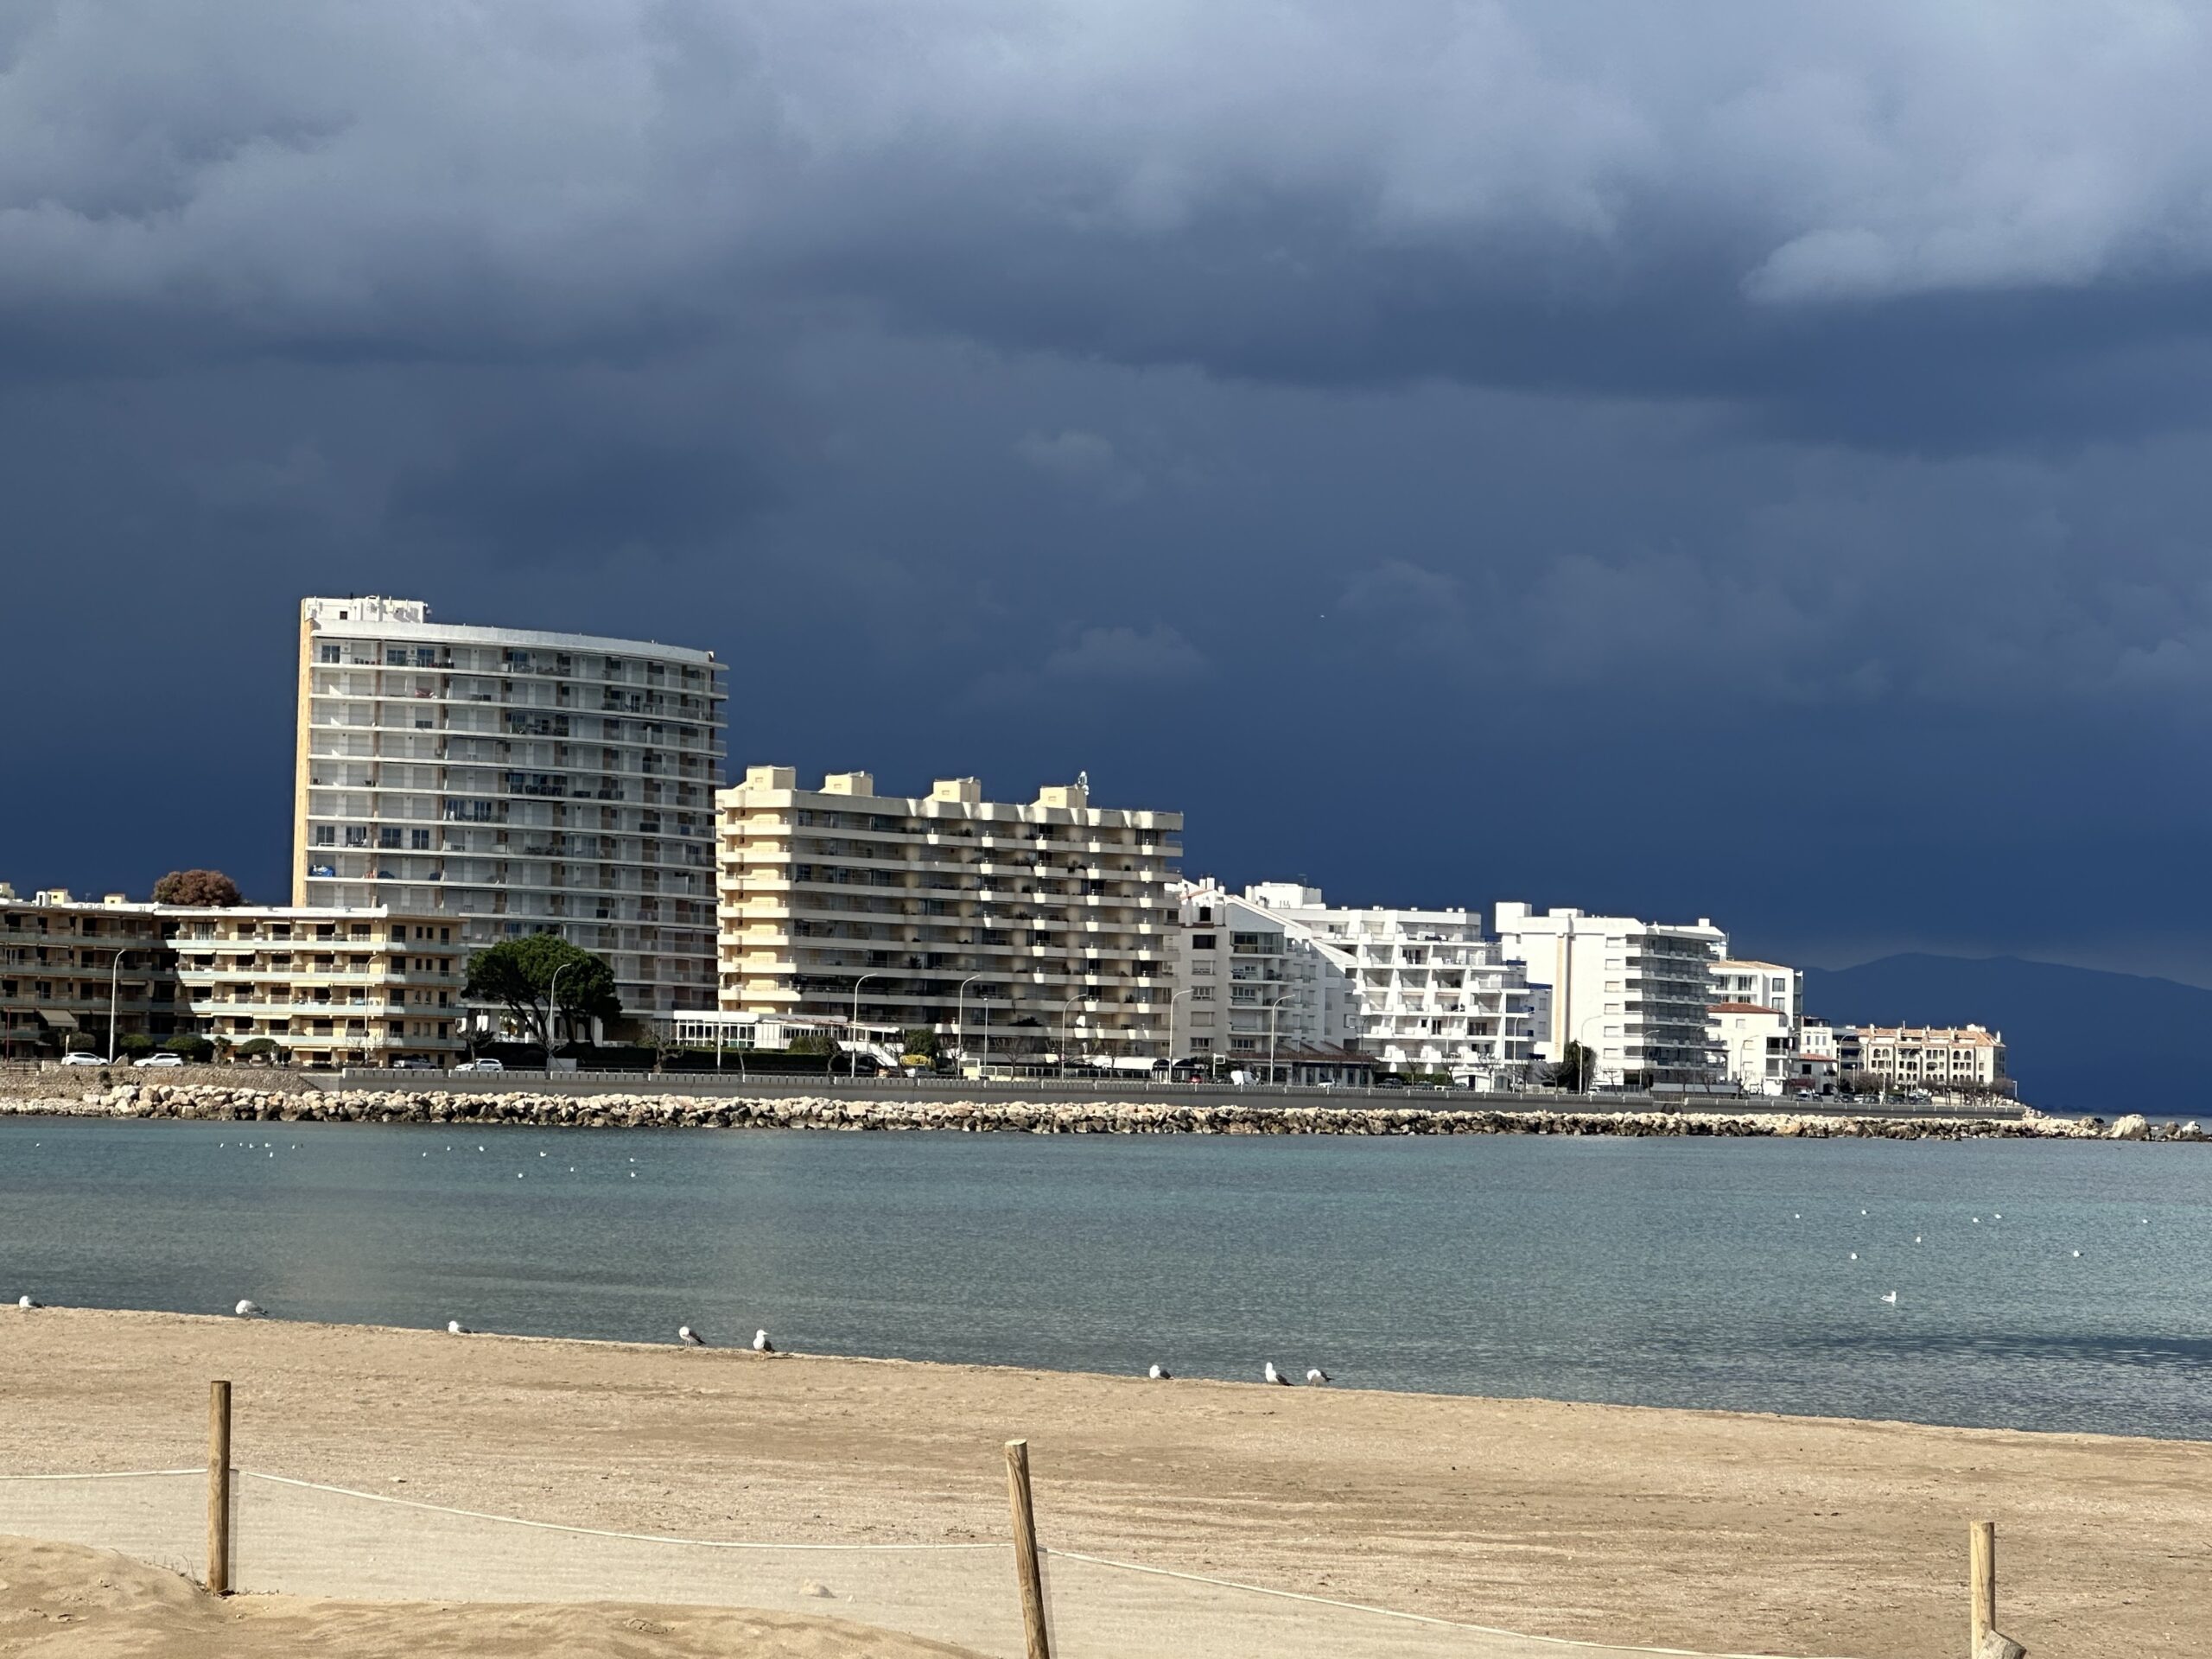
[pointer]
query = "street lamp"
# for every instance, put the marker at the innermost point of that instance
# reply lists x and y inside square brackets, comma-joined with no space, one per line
[960,1014]
[114,968]
[1272,1006]
[1171,1001]
[1066,1008]
[1589,1055]
[857,984]
[553,1012]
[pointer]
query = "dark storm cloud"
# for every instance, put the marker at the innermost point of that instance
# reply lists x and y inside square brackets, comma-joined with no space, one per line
[1724,458]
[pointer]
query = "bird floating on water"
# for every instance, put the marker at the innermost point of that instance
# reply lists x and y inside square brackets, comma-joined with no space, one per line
[247,1309]
[1317,1375]
[1160,1374]
[761,1344]
[455,1327]
[2077,1254]
[1915,1238]
[1854,1255]
[1274,1375]
[1891,1298]
[690,1338]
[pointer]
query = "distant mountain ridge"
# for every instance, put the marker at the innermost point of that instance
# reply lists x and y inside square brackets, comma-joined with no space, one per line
[2076,1039]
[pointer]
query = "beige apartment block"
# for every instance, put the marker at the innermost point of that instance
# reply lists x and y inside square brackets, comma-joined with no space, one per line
[68,968]
[328,987]
[1926,1056]
[510,783]
[364,987]
[1009,928]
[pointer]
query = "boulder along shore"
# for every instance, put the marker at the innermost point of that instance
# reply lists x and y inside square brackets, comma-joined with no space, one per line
[615,1110]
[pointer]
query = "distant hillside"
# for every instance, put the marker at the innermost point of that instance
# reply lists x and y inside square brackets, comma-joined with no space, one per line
[2076,1039]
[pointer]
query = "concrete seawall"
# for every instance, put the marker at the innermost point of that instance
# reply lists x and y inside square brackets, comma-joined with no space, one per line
[616,1110]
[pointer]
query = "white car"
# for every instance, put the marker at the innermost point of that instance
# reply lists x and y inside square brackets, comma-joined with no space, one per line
[80,1057]
[161,1060]
[481,1065]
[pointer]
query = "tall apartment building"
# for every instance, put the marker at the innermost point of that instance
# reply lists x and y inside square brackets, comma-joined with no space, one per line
[328,988]
[1926,1056]
[509,782]
[1428,990]
[1634,993]
[1018,924]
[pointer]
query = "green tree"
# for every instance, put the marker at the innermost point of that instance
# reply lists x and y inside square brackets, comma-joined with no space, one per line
[814,1042]
[520,973]
[196,1049]
[202,889]
[1575,1069]
[921,1042]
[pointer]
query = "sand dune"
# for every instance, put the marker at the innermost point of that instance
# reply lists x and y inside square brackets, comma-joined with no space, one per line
[1716,1531]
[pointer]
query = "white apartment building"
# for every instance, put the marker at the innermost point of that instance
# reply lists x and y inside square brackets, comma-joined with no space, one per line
[1428,992]
[1816,1039]
[1756,1044]
[1253,989]
[1926,1056]
[1769,984]
[1634,993]
[515,782]
[1020,931]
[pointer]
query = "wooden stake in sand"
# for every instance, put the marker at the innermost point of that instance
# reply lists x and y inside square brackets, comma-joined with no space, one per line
[1038,1643]
[1984,1641]
[218,1489]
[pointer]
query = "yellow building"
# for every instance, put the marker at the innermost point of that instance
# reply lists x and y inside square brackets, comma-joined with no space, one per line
[1011,926]
[67,968]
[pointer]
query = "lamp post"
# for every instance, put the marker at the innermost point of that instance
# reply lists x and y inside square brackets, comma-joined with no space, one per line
[857,984]
[960,1014]
[1589,1055]
[114,969]
[1171,1001]
[553,1012]
[1273,1006]
[1066,1008]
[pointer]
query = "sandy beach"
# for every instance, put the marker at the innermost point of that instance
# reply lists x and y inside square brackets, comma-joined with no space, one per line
[1704,1530]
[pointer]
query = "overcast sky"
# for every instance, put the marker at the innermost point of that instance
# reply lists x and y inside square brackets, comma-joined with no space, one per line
[1727,460]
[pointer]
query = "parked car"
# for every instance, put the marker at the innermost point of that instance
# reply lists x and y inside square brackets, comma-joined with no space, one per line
[485,1064]
[161,1060]
[1390,1080]
[81,1058]
[413,1062]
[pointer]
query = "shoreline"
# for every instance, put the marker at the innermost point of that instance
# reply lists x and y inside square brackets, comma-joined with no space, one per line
[1718,1530]
[615,1109]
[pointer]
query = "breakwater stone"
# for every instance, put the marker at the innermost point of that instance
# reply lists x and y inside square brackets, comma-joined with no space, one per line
[616,1110]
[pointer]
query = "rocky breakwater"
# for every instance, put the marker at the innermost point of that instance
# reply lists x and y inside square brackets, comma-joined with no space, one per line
[1018,1117]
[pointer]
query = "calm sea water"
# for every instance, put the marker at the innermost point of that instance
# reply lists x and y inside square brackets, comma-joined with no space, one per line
[1692,1273]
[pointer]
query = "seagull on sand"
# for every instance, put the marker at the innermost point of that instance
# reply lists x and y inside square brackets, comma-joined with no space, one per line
[1317,1375]
[1160,1374]
[1891,1298]
[455,1327]
[25,1301]
[761,1344]
[247,1310]
[690,1338]
[1274,1375]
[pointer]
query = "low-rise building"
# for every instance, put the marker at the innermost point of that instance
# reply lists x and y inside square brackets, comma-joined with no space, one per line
[1756,1043]
[1935,1057]
[1027,931]
[1769,984]
[326,986]
[1634,993]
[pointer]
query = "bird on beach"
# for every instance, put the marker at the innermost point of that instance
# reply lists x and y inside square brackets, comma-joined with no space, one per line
[247,1309]
[690,1338]
[1891,1298]
[1317,1375]
[761,1344]
[25,1301]
[1160,1374]
[455,1327]
[1274,1375]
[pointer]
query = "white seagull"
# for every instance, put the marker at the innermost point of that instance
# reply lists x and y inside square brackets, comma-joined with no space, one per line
[1854,1255]
[2077,1255]
[1317,1375]
[1160,1374]
[1891,1298]
[25,1301]
[690,1338]
[761,1344]
[455,1327]
[1274,1375]
[247,1310]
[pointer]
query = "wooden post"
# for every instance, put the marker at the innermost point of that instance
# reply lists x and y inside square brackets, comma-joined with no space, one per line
[218,1489]
[1037,1642]
[1981,1584]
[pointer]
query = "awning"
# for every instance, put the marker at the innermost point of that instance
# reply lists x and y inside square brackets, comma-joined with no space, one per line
[58,1020]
